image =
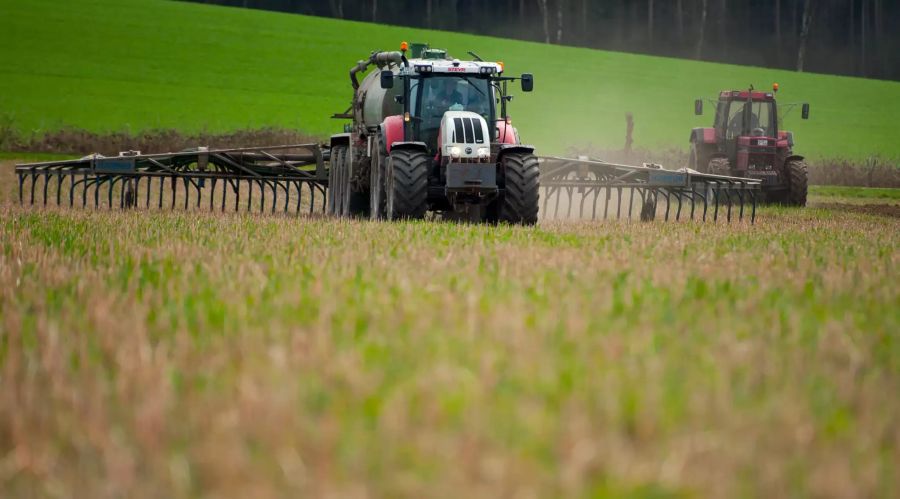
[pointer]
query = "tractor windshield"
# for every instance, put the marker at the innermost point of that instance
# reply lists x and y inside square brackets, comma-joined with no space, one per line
[756,118]
[432,96]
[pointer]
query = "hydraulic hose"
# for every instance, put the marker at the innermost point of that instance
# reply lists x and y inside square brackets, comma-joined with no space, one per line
[378,58]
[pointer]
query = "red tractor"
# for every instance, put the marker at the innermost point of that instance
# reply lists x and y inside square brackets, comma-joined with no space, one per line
[745,141]
[431,134]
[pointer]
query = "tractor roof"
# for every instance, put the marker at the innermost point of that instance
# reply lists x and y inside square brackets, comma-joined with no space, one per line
[746,94]
[454,66]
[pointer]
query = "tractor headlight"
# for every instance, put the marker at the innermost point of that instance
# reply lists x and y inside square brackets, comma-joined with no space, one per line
[455,152]
[483,152]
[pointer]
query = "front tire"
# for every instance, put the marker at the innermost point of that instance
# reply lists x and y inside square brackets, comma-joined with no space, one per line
[521,181]
[797,176]
[406,184]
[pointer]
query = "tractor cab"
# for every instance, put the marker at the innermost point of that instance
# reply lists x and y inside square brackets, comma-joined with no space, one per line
[746,125]
[434,86]
[746,114]
[435,93]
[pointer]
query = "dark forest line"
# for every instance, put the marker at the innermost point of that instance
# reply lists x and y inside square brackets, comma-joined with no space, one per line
[846,37]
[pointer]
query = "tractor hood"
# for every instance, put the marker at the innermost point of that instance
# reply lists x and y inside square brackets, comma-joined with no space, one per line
[464,135]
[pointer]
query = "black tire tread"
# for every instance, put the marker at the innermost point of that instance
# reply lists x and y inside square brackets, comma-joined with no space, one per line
[409,170]
[719,166]
[521,173]
[336,181]
[798,175]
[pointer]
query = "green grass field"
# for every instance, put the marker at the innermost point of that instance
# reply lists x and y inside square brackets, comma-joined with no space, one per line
[132,65]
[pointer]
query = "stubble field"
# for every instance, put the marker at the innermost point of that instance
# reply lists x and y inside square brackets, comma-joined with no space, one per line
[150,354]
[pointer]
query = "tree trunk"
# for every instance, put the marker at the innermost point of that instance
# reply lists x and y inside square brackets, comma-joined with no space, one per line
[374,10]
[428,13]
[778,27]
[650,23]
[703,9]
[584,14]
[337,8]
[559,21]
[521,14]
[723,36]
[851,36]
[862,39]
[679,20]
[878,13]
[542,4]
[804,34]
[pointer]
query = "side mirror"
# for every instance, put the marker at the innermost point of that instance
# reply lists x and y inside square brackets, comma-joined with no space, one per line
[527,82]
[698,107]
[387,79]
[804,113]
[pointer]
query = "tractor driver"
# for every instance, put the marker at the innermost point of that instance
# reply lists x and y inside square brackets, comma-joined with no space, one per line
[448,95]
[736,126]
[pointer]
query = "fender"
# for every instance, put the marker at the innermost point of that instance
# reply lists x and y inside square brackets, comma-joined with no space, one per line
[786,138]
[794,157]
[703,135]
[409,146]
[392,131]
[340,139]
[506,133]
[507,148]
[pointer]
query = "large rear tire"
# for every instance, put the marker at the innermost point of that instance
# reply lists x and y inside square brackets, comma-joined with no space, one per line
[357,201]
[719,166]
[797,173]
[406,184]
[694,162]
[521,185]
[338,184]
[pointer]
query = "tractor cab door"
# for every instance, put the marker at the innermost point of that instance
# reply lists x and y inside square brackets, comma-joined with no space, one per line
[729,125]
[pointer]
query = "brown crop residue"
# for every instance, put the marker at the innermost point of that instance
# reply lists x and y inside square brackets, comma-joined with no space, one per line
[149,354]
[886,210]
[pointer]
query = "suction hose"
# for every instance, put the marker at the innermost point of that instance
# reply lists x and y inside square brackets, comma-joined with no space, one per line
[378,58]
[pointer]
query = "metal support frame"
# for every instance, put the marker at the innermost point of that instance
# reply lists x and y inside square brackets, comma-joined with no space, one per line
[295,179]
[294,173]
[568,185]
